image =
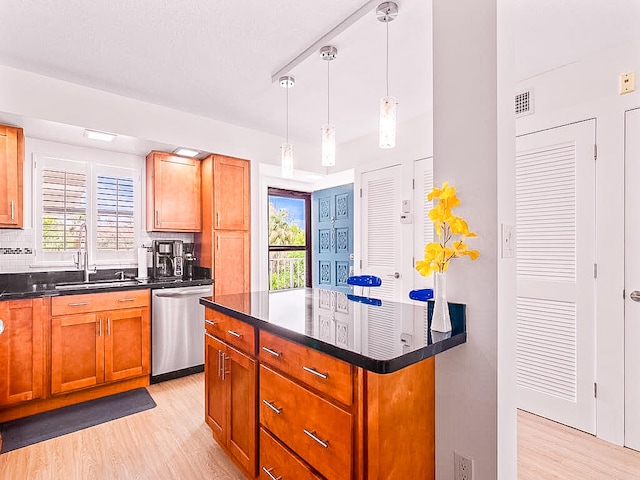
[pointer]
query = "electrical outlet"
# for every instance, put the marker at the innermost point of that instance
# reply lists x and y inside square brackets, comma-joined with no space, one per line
[463,467]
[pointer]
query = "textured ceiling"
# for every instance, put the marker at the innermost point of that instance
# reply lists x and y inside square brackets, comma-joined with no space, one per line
[215,58]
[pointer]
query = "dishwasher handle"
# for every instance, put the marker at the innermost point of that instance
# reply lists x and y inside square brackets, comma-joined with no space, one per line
[183,294]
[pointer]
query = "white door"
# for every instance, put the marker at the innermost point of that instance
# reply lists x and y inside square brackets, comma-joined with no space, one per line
[632,281]
[555,255]
[423,231]
[382,242]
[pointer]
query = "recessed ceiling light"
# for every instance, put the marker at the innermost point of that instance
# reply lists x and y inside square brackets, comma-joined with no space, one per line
[186,152]
[102,136]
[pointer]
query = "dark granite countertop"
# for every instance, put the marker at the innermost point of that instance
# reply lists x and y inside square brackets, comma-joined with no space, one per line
[380,336]
[43,284]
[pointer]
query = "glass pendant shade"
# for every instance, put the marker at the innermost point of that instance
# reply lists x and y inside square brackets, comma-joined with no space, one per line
[328,145]
[387,122]
[287,160]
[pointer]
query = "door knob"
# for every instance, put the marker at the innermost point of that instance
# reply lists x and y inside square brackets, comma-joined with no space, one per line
[635,296]
[394,275]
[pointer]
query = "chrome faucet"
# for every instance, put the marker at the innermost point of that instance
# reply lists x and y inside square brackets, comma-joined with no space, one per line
[85,255]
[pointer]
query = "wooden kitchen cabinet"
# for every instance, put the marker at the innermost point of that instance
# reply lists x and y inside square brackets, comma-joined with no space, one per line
[11,176]
[230,401]
[173,193]
[99,338]
[22,350]
[224,244]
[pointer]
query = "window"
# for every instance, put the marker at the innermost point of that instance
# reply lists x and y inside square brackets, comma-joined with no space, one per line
[69,193]
[289,239]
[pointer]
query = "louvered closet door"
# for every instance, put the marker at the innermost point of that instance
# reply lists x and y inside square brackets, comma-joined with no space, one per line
[555,214]
[381,235]
[632,281]
[423,227]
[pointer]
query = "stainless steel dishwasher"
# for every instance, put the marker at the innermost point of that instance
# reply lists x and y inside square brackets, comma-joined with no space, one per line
[177,331]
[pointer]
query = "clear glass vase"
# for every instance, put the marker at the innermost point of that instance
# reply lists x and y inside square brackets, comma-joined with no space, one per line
[440,320]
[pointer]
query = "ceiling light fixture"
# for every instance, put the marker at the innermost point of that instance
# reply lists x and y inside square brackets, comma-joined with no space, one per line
[102,136]
[186,152]
[387,12]
[286,150]
[328,143]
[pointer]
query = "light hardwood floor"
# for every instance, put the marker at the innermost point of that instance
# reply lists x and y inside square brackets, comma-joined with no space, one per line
[551,451]
[170,441]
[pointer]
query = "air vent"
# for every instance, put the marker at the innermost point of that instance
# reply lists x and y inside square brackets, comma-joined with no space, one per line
[524,103]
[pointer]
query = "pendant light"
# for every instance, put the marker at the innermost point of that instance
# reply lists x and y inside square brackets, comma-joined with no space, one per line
[328,141]
[387,12]
[286,150]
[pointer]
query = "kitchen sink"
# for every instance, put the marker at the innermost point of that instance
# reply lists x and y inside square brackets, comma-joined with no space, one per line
[94,284]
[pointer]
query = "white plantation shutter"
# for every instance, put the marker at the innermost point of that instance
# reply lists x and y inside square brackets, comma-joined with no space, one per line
[423,231]
[115,206]
[555,253]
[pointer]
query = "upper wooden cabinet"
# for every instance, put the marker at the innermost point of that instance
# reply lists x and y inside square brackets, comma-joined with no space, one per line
[231,193]
[22,349]
[11,182]
[173,193]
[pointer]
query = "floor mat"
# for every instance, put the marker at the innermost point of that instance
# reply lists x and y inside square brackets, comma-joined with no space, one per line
[43,426]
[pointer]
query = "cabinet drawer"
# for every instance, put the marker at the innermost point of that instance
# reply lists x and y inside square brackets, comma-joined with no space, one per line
[277,462]
[233,331]
[318,431]
[94,302]
[322,372]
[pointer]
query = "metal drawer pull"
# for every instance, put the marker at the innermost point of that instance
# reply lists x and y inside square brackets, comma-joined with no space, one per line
[1,326]
[13,216]
[272,352]
[79,304]
[127,299]
[213,324]
[312,434]
[235,334]
[268,472]
[315,372]
[272,407]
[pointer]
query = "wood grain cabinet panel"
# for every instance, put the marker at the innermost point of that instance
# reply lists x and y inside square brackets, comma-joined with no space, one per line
[277,462]
[173,193]
[127,348]
[22,350]
[11,176]
[231,193]
[231,267]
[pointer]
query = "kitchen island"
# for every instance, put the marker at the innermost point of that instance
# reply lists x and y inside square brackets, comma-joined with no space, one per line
[316,383]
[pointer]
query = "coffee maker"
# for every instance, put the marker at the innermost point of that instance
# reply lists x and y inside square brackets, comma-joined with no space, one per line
[167,259]
[189,261]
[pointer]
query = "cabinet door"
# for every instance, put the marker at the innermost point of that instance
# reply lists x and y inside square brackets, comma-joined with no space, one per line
[127,351]
[231,193]
[216,390]
[11,161]
[175,202]
[21,351]
[77,351]
[231,262]
[240,371]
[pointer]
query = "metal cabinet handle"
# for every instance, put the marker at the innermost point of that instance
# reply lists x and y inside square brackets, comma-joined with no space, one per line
[235,334]
[219,364]
[268,472]
[213,324]
[635,296]
[13,215]
[1,327]
[315,372]
[79,304]
[272,407]
[312,434]
[127,299]
[108,326]
[99,327]
[157,218]
[223,365]
[272,352]
[217,219]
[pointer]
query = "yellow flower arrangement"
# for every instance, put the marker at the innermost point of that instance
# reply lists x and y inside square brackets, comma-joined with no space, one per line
[452,232]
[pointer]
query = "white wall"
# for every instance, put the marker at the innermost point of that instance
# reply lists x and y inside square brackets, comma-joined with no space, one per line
[589,89]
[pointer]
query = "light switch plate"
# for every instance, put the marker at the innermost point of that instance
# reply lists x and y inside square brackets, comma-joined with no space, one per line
[508,241]
[406,206]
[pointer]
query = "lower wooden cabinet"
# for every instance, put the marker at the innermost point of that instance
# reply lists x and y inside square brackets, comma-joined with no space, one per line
[22,350]
[89,348]
[230,402]
[276,461]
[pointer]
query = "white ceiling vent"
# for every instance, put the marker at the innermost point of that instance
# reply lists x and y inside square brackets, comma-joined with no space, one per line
[524,103]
